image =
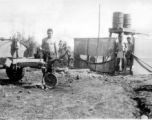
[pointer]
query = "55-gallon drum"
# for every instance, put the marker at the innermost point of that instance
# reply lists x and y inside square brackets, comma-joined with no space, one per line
[117,20]
[127,21]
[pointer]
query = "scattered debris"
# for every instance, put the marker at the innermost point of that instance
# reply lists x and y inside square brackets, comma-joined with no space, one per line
[11,86]
[101,96]
[0,87]
[77,78]
[144,117]
[18,97]
[2,93]
[28,69]
[5,95]
[70,80]
[90,109]
[29,91]
[20,91]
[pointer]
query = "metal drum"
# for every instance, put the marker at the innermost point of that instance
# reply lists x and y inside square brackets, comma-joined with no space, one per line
[127,21]
[117,20]
[50,80]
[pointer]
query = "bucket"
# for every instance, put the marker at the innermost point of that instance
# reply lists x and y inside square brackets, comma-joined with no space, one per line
[127,21]
[117,20]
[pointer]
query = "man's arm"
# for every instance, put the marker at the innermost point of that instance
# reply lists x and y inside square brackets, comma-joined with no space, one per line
[56,51]
[125,47]
[131,48]
[116,47]
[42,45]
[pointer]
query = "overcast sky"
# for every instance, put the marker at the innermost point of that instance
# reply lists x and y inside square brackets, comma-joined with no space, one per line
[70,18]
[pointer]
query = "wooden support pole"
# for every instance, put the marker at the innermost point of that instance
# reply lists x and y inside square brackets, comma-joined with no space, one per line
[88,51]
[110,34]
[98,39]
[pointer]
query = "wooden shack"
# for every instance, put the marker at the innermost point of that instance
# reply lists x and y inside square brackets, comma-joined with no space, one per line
[96,54]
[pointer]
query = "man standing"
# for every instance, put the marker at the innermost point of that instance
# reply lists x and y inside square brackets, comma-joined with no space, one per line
[49,51]
[128,54]
[15,45]
[49,47]
[120,47]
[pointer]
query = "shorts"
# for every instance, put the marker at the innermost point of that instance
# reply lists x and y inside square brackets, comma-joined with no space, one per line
[120,54]
[48,55]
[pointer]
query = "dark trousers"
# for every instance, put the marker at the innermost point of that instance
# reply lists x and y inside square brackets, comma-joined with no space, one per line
[129,60]
[48,56]
[13,52]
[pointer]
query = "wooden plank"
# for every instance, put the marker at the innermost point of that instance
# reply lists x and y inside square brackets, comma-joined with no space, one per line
[71,70]
[125,30]
[8,62]
[15,61]
[5,61]
[79,70]
[30,64]
[2,61]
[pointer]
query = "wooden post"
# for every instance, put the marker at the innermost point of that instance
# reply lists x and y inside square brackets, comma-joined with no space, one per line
[110,34]
[133,42]
[87,51]
[98,39]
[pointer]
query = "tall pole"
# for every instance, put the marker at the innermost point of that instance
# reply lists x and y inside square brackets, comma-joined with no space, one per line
[99,24]
[98,38]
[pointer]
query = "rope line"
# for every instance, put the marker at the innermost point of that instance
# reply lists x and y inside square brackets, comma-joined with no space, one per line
[141,60]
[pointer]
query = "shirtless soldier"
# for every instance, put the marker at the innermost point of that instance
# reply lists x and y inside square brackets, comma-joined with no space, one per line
[49,49]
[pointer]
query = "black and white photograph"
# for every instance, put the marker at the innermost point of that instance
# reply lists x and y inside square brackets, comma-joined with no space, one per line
[75,59]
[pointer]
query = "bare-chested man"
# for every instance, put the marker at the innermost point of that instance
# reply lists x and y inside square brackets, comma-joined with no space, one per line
[49,50]
[49,46]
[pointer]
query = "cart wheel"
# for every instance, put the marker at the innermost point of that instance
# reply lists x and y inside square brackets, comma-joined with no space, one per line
[15,75]
[50,80]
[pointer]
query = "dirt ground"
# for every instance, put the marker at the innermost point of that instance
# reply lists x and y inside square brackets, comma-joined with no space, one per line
[78,95]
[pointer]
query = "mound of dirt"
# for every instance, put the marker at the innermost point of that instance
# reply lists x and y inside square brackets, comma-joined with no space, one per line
[79,95]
